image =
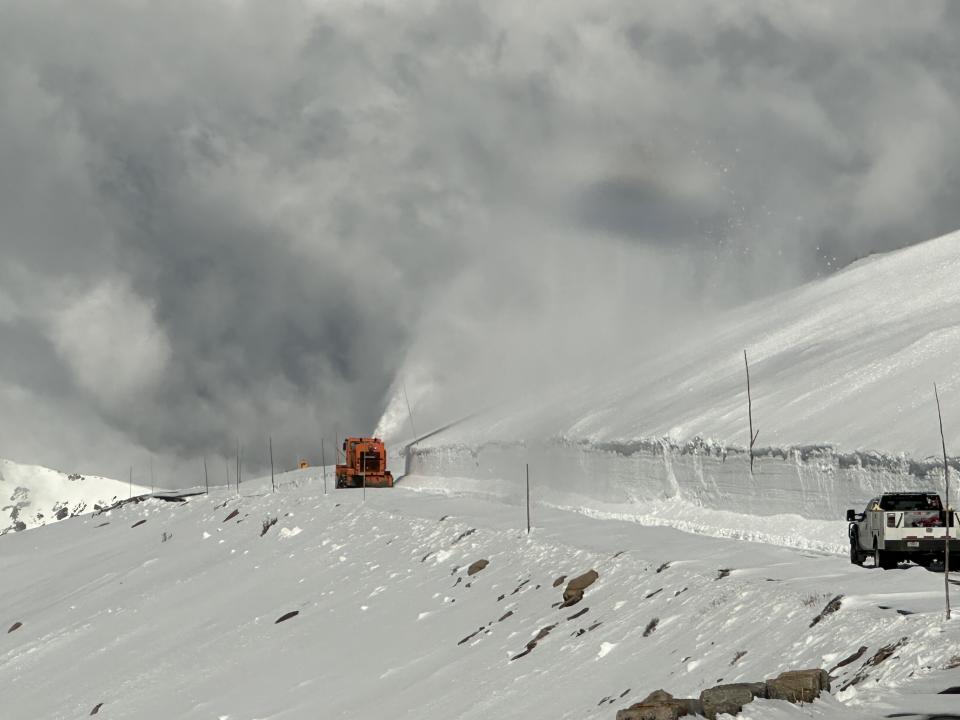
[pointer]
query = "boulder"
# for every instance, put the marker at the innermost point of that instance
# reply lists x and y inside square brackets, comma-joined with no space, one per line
[661,705]
[730,698]
[574,591]
[477,567]
[798,686]
[639,711]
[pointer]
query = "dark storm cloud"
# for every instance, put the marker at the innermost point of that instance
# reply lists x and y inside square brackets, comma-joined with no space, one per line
[229,218]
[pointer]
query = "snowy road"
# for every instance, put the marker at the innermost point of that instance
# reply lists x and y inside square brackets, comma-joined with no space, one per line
[186,627]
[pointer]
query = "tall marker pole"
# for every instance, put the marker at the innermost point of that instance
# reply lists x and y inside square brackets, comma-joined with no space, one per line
[273,484]
[946,480]
[528,498]
[238,466]
[753,436]
[206,476]
[323,464]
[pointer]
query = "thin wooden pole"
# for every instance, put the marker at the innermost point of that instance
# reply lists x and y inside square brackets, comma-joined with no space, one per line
[238,466]
[946,480]
[753,436]
[409,412]
[528,498]
[206,476]
[273,483]
[323,464]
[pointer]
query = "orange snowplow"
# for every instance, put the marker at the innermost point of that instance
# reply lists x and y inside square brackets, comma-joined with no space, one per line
[364,464]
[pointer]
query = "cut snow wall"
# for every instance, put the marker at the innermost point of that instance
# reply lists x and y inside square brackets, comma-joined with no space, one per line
[814,482]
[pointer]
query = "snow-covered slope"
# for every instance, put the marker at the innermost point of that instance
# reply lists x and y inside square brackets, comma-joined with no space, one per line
[848,361]
[842,375]
[162,610]
[31,495]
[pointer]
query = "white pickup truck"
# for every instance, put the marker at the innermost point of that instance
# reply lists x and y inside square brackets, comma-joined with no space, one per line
[902,526]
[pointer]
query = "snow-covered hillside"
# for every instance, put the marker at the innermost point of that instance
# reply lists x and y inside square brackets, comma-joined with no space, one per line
[163,610]
[31,495]
[842,375]
[848,361]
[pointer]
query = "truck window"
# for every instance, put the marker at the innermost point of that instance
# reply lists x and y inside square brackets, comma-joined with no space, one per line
[907,502]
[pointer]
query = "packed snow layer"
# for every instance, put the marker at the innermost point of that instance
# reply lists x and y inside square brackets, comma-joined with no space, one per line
[847,361]
[162,610]
[662,483]
[31,495]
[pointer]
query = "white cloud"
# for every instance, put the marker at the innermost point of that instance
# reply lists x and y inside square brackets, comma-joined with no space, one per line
[111,342]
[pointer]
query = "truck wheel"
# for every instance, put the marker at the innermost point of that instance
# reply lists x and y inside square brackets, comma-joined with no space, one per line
[856,557]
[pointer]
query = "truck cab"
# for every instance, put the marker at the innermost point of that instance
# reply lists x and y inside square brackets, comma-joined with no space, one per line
[895,527]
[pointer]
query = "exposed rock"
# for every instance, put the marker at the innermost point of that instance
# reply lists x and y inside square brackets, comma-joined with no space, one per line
[96,708]
[665,711]
[464,534]
[661,705]
[138,523]
[651,626]
[849,659]
[470,637]
[15,626]
[543,632]
[579,613]
[286,616]
[730,698]
[736,657]
[232,515]
[267,524]
[575,588]
[477,567]
[830,608]
[722,573]
[882,654]
[559,581]
[798,686]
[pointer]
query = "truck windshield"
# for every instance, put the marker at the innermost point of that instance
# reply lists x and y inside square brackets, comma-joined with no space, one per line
[910,502]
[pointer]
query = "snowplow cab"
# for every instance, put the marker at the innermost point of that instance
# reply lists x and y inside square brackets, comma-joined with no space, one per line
[364,464]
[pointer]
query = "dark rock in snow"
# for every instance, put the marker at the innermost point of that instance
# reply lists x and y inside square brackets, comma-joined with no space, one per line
[267,524]
[286,616]
[477,567]
[138,523]
[661,705]
[15,626]
[96,708]
[830,608]
[798,686]
[730,698]
[232,515]
[576,587]
[849,659]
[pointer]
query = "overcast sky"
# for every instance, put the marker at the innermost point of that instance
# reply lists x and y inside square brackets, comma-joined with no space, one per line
[226,219]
